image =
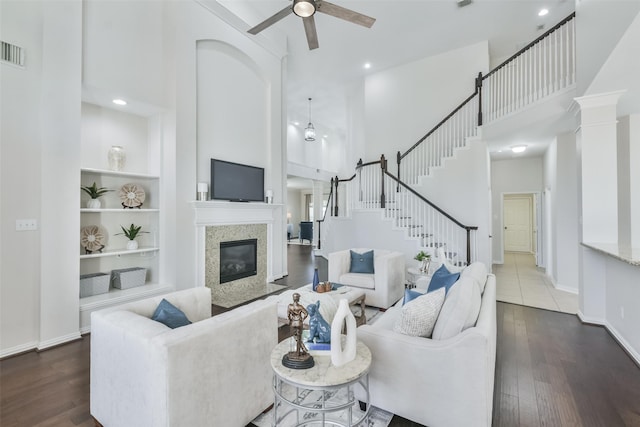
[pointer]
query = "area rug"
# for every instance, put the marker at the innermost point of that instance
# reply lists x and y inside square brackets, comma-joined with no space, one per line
[376,418]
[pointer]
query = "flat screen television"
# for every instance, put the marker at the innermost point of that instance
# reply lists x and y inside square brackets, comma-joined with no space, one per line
[236,182]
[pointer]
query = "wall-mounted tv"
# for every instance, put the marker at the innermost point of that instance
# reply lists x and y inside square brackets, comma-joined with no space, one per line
[236,182]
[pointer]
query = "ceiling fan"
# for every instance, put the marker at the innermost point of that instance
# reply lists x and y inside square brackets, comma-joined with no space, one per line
[306,9]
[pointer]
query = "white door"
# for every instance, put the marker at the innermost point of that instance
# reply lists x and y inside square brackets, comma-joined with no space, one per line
[517,223]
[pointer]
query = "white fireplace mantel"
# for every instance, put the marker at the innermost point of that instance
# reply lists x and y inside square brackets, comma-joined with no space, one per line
[215,213]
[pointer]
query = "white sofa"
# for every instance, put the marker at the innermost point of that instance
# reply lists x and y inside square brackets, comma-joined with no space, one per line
[437,382]
[384,287]
[213,372]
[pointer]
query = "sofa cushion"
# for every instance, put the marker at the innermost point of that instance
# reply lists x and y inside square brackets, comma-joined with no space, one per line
[170,315]
[460,309]
[361,262]
[359,280]
[410,295]
[478,272]
[418,317]
[442,278]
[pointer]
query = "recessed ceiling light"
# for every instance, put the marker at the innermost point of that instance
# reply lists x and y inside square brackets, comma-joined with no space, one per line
[296,123]
[543,12]
[119,101]
[518,148]
[367,65]
[325,136]
[499,151]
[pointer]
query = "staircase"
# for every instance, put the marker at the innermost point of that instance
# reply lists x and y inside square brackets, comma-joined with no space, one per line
[543,68]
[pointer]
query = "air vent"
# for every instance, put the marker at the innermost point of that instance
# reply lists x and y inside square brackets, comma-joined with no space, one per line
[463,3]
[12,54]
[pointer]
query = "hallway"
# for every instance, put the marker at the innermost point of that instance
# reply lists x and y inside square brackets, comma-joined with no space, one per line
[519,281]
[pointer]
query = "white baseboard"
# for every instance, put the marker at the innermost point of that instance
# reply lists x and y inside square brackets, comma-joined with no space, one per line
[59,340]
[560,287]
[18,349]
[614,333]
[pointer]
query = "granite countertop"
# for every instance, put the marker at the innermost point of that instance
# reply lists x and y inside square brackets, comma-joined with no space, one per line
[624,253]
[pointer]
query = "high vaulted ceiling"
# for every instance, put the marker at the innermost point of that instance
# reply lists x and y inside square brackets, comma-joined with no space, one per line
[404,31]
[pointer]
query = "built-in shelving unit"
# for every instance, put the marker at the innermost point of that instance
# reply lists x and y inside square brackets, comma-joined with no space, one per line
[101,124]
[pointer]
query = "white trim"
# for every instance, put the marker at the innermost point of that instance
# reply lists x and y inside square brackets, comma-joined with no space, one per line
[614,333]
[18,349]
[59,340]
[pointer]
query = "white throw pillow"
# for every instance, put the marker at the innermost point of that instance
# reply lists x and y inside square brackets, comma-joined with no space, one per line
[477,271]
[418,316]
[460,309]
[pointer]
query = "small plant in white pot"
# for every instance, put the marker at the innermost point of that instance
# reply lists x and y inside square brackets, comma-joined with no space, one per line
[131,233]
[94,192]
[425,260]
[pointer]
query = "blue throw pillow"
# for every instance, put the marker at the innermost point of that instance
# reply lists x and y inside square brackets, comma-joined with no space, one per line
[170,315]
[361,263]
[410,295]
[442,278]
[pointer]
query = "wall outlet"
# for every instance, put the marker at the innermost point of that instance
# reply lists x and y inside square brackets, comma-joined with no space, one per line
[26,224]
[621,312]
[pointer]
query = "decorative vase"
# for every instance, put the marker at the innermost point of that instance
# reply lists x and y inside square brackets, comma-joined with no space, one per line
[117,158]
[316,280]
[94,204]
[424,265]
[132,245]
[340,355]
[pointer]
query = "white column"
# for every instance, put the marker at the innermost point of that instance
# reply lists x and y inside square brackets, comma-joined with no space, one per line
[599,165]
[629,180]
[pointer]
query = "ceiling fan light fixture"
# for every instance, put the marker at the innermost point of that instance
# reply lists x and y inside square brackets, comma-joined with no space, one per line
[304,8]
[310,131]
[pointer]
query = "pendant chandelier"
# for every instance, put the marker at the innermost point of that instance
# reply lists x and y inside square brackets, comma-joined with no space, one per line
[310,131]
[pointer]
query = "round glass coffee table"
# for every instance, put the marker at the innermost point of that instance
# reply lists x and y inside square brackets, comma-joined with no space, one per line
[323,395]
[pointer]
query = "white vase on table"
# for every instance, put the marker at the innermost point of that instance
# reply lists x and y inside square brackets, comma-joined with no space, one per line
[342,355]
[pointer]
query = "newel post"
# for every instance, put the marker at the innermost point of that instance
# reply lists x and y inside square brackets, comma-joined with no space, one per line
[383,169]
[359,169]
[479,90]
[332,197]
[335,182]
[398,160]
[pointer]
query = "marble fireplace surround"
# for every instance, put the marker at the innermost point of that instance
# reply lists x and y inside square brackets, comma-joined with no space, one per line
[226,221]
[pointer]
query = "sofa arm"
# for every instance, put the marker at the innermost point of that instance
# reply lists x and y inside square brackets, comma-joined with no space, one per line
[428,381]
[339,264]
[389,272]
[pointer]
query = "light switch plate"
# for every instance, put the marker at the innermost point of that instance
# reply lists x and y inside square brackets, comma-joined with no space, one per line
[26,224]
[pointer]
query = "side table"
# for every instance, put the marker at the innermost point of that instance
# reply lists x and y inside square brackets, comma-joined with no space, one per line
[291,386]
[413,274]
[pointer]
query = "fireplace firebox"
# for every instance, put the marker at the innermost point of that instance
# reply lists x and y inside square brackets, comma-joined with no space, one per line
[238,259]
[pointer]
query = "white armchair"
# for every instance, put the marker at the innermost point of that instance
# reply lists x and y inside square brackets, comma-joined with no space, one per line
[384,287]
[213,372]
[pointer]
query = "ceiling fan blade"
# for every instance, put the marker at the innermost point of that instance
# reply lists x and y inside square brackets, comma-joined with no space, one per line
[310,30]
[270,21]
[343,13]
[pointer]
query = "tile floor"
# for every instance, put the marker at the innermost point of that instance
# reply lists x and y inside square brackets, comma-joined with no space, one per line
[519,281]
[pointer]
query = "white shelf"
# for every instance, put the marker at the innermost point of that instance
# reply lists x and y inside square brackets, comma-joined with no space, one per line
[119,173]
[87,210]
[119,296]
[119,252]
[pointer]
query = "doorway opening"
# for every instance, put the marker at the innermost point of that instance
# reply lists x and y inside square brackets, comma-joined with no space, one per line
[521,222]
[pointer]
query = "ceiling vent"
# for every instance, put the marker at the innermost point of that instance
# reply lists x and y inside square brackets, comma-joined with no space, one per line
[12,54]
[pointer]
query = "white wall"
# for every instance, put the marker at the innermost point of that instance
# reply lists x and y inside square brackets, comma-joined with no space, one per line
[519,175]
[20,163]
[40,175]
[294,206]
[561,221]
[196,23]
[403,103]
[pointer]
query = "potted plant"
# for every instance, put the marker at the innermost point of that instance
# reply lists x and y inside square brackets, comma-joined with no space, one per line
[425,260]
[131,233]
[94,192]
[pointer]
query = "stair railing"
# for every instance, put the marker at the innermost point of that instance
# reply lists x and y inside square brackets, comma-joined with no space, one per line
[545,67]
[373,187]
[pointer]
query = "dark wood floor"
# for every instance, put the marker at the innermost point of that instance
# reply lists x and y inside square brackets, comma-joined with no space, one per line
[551,370]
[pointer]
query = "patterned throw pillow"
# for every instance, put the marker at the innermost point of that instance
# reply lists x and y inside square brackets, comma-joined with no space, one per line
[170,315]
[418,317]
[361,263]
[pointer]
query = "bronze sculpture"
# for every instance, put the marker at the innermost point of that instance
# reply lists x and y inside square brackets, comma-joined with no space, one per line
[300,357]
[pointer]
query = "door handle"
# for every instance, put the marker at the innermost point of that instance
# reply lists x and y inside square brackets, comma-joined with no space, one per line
[505,228]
